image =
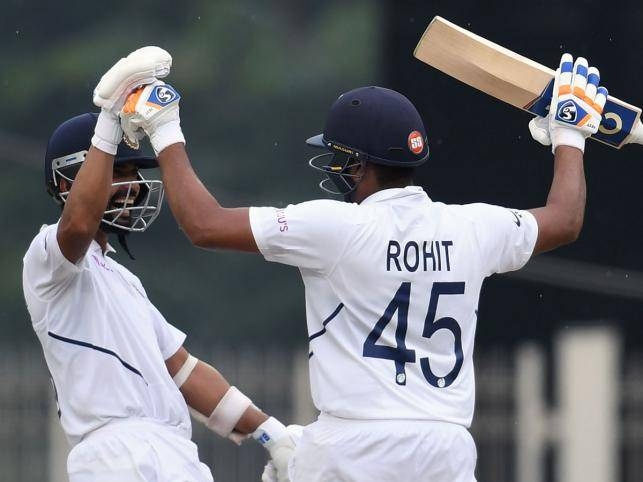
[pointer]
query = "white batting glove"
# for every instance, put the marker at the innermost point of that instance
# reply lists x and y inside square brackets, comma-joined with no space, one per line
[576,106]
[280,441]
[269,473]
[140,67]
[153,110]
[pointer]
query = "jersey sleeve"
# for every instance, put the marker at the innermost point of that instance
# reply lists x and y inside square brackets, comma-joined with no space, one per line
[310,235]
[506,237]
[46,271]
[169,337]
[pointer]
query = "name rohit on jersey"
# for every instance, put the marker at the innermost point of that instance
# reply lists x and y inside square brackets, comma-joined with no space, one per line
[424,255]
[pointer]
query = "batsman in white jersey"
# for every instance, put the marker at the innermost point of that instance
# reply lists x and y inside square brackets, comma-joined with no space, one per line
[122,377]
[392,278]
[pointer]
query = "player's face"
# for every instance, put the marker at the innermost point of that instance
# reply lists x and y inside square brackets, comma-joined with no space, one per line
[124,195]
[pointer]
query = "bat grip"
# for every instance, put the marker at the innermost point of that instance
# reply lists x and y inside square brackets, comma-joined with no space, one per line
[636,135]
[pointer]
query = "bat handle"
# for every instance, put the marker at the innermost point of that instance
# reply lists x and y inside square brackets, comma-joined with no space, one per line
[636,135]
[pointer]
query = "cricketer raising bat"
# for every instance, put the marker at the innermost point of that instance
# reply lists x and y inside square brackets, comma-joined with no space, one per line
[513,78]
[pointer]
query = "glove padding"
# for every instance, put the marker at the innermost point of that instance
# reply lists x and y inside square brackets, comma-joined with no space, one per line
[152,110]
[141,67]
[280,441]
[576,106]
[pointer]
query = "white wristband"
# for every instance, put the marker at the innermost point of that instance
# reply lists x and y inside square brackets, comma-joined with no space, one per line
[107,133]
[186,370]
[166,135]
[229,410]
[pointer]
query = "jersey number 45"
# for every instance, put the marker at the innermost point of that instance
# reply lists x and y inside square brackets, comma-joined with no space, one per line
[402,355]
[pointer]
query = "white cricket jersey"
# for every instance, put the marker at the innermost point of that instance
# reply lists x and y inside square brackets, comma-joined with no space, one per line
[104,342]
[392,287]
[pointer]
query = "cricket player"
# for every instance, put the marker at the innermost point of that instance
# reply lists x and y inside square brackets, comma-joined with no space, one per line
[392,278]
[122,377]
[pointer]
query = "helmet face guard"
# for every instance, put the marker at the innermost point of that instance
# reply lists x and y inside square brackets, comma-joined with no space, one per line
[133,208]
[336,166]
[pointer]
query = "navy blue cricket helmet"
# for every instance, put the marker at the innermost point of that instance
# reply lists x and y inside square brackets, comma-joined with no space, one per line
[66,151]
[372,124]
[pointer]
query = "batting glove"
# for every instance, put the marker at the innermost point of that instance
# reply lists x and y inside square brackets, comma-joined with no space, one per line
[153,110]
[576,106]
[280,441]
[140,67]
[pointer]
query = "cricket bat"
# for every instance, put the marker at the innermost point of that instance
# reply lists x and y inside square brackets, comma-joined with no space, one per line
[514,79]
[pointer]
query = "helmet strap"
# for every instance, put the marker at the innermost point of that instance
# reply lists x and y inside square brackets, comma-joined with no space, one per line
[122,240]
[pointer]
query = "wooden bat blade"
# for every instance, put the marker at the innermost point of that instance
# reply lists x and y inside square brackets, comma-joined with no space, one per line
[482,64]
[514,79]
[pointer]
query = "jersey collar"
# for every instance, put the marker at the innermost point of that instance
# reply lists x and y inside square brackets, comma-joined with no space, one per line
[395,193]
[96,247]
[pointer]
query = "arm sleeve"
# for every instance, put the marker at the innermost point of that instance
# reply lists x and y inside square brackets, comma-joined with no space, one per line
[506,237]
[310,235]
[46,271]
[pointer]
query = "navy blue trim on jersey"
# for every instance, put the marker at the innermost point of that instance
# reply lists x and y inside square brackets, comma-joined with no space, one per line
[326,321]
[97,348]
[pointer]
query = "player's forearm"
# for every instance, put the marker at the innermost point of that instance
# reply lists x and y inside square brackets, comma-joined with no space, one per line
[85,204]
[561,219]
[568,191]
[191,203]
[206,223]
[204,390]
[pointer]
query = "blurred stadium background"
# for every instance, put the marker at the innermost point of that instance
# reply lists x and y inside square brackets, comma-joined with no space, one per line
[559,355]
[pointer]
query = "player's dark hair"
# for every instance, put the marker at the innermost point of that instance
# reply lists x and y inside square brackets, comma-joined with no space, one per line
[393,176]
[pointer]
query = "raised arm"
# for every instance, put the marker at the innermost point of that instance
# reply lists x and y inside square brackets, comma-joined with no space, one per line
[198,213]
[206,223]
[561,219]
[90,190]
[575,114]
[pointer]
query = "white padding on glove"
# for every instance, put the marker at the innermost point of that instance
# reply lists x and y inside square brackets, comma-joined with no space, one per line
[539,129]
[141,67]
[154,110]
[280,441]
[107,133]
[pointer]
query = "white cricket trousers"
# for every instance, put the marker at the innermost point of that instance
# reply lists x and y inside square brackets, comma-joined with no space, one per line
[333,449]
[136,451]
